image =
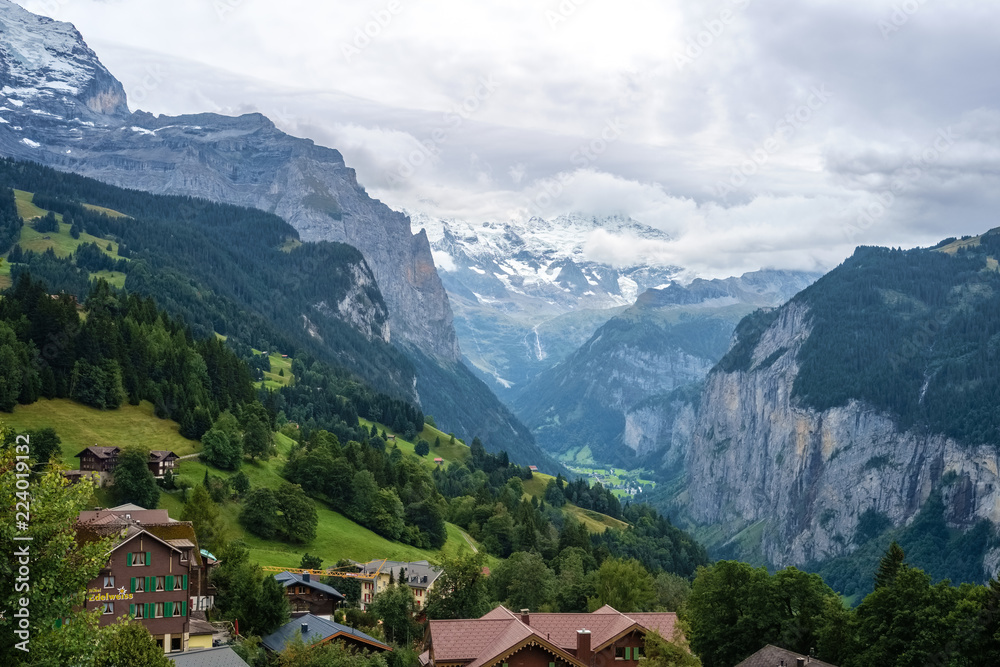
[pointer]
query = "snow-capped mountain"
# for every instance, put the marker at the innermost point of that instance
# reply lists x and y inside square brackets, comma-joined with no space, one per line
[526,294]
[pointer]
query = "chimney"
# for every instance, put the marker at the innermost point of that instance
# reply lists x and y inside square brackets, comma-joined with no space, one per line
[305,629]
[305,577]
[583,646]
[524,616]
[800,662]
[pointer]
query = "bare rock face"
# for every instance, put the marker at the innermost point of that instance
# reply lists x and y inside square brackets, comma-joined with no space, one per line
[757,460]
[61,107]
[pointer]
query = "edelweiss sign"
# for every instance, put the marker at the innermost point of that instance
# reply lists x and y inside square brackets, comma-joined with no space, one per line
[96,596]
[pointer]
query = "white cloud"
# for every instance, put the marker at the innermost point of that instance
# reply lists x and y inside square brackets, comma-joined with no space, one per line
[687,130]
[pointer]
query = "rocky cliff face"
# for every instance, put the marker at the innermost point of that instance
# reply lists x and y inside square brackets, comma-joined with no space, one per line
[62,108]
[794,482]
[614,399]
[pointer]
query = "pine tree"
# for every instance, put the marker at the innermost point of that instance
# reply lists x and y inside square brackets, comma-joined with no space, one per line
[889,566]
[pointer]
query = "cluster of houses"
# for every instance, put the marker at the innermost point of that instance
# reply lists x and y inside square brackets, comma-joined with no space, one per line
[100,463]
[157,575]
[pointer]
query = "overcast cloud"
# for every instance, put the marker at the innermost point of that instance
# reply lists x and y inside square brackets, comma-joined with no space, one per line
[756,133]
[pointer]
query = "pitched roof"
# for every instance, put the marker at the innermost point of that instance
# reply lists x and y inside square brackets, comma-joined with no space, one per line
[220,656]
[157,455]
[100,452]
[290,578]
[127,521]
[318,629]
[419,574]
[482,640]
[774,656]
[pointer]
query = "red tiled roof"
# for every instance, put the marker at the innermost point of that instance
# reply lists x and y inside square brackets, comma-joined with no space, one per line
[484,639]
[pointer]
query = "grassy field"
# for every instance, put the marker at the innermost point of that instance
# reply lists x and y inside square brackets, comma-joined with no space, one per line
[594,521]
[615,477]
[111,213]
[80,426]
[457,451]
[5,281]
[274,380]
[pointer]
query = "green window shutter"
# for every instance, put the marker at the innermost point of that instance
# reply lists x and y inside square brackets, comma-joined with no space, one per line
[184,608]
[185,582]
[628,653]
[147,613]
[128,559]
[131,585]
[170,582]
[552,664]
[131,610]
[168,609]
[149,557]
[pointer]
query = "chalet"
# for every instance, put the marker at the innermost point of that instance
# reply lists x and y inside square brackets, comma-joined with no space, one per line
[533,468]
[418,575]
[773,656]
[160,461]
[316,629]
[503,638]
[99,459]
[307,596]
[154,572]
[438,460]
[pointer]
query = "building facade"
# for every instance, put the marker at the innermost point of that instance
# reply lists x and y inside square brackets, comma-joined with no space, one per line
[152,573]
[307,596]
[419,575]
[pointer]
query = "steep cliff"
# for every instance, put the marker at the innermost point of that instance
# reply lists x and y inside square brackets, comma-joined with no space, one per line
[838,416]
[611,400]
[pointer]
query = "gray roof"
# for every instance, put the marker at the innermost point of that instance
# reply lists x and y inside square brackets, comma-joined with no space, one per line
[290,579]
[220,656]
[419,574]
[319,629]
[774,656]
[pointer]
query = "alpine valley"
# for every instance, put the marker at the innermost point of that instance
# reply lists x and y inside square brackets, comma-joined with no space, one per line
[788,418]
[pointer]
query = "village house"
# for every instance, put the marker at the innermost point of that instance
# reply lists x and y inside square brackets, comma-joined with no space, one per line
[154,574]
[307,596]
[503,638]
[104,460]
[418,575]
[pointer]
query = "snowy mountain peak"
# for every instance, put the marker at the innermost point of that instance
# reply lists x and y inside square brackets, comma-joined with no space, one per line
[47,69]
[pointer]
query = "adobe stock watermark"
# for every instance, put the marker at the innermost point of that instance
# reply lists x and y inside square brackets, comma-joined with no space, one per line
[900,15]
[909,174]
[582,158]
[22,552]
[155,75]
[562,12]
[705,39]
[786,128]
[430,148]
[365,34]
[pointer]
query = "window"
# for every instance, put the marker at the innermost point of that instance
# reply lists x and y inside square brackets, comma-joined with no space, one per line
[109,608]
[140,611]
[179,583]
[159,583]
[140,584]
[158,610]
[137,558]
[109,582]
[175,643]
[637,652]
[184,555]
[619,653]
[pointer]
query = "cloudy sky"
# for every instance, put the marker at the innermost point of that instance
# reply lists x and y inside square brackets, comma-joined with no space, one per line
[756,133]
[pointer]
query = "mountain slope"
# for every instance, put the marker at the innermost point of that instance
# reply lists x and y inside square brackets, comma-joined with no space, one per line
[844,413]
[584,407]
[62,108]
